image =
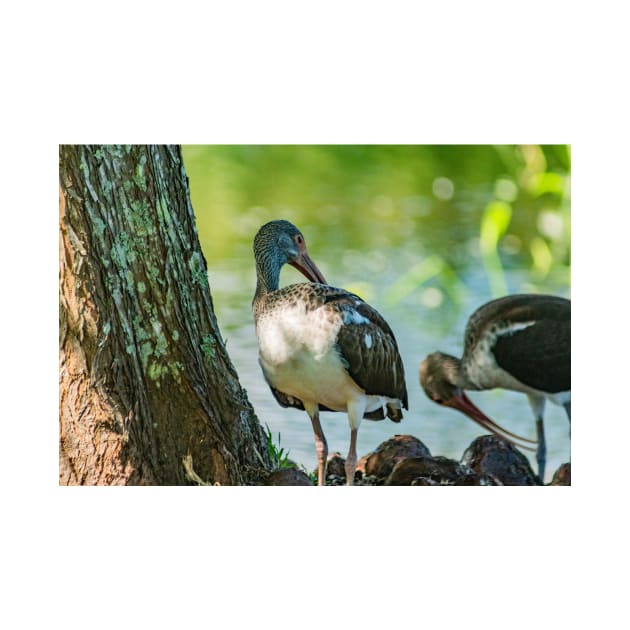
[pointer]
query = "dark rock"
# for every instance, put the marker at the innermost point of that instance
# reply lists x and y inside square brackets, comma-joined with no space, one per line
[562,476]
[424,481]
[441,470]
[368,480]
[335,465]
[381,462]
[477,480]
[360,469]
[288,477]
[493,456]
[336,480]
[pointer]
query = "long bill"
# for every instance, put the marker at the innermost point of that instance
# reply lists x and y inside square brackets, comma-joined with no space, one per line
[462,403]
[308,268]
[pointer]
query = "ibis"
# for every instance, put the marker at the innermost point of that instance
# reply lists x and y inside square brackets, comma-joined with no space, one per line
[518,342]
[322,348]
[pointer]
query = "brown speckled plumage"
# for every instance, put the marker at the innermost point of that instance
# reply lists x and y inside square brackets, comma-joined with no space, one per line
[322,348]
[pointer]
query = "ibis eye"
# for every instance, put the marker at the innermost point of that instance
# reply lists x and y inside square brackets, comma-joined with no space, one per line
[298,239]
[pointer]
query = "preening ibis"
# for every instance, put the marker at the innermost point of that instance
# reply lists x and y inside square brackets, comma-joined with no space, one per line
[322,348]
[519,342]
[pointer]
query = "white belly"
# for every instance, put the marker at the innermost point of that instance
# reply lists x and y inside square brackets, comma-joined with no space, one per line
[316,381]
[298,355]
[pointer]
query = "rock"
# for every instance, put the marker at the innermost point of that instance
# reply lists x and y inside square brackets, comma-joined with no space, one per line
[368,480]
[424,481]
[493,456]
[441,470]
[381,462]
[562,476]
[335,469]
[288,477]
[335,465]
[477,480]
[362,461]
[336,480]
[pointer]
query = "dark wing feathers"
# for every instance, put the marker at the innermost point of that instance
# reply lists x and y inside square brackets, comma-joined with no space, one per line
[369,349]
[537,359]
[524,307]
[539,355]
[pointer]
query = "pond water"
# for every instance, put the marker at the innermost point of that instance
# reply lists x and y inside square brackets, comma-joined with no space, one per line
[408,229]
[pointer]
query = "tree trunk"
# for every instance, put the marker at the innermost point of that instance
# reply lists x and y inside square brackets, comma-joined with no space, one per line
[144,376]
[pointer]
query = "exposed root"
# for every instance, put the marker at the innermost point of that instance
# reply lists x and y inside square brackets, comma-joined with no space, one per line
[192,475]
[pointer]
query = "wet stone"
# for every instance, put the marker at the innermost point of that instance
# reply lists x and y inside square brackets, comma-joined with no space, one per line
[441,470]
[288,477]
[335,465]
[368,480]
[562,476]
[424,481]
[477,480]
[495,457]
[336,480]
[381,462]
[359,480]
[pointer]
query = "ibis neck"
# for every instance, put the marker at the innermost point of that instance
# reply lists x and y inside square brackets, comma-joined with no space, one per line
[455,372]
[267,277]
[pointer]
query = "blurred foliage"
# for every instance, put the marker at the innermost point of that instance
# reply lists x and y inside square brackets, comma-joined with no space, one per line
[494,224]
[416,219]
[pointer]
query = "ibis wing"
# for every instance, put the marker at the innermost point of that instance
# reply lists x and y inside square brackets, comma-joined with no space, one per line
[367,345]
[539,355]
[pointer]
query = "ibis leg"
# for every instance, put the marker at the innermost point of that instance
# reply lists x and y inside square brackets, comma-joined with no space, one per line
[537,404]
[356,409]
[351,459]
[541,451]
[321,448]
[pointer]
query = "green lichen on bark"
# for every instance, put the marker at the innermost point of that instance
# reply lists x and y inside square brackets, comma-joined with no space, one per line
[159,328]
[197,269]
[208,346]
[127,235]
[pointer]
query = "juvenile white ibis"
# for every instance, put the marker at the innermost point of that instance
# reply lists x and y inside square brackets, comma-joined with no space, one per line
[322,348]
[519,342]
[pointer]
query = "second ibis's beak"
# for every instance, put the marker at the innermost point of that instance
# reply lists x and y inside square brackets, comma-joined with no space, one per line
[461,402]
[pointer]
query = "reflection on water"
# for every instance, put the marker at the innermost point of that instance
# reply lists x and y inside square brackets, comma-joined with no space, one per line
[401,227]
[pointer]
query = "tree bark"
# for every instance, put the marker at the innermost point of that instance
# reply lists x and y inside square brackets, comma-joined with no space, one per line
[144,376]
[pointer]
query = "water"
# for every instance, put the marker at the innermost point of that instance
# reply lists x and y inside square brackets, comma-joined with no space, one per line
[401,228]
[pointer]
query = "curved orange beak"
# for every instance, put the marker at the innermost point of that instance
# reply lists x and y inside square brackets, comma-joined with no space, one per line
[307,267]
[462,403]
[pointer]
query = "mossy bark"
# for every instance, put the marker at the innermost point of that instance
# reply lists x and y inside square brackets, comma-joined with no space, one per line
[144,376]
